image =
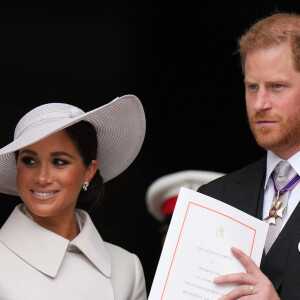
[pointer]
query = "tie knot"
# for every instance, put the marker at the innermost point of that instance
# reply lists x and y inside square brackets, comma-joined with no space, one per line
[283,168]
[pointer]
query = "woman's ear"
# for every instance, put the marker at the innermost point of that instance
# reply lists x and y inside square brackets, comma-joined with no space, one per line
[91,170]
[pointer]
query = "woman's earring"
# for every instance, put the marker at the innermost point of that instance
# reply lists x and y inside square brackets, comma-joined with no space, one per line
[85,186]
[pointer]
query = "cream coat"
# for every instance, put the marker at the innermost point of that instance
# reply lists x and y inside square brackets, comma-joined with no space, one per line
[34,264]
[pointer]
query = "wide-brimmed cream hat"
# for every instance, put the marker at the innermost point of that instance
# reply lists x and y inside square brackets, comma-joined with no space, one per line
[120,127]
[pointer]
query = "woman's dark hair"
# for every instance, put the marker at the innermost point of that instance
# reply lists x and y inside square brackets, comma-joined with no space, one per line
[84,137]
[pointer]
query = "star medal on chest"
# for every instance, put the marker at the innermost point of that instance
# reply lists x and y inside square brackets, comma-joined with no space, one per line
[276,209]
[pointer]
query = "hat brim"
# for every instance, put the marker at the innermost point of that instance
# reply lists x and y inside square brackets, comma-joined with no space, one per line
[120,127]
[169,185]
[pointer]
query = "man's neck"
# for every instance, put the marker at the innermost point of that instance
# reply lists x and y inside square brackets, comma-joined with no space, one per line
[285,154]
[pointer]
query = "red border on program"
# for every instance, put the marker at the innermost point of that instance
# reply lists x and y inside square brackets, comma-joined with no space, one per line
[182,229]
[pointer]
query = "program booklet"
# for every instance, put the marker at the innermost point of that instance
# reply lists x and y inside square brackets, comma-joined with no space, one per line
[198,245]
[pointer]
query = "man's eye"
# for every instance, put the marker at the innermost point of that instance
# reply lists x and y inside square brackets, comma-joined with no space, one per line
[59,162]
[28,161]
[252,87]
[277,85]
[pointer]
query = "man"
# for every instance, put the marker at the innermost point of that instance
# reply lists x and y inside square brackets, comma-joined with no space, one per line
[270,58]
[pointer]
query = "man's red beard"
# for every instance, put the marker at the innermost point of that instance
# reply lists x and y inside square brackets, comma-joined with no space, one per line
[278,137]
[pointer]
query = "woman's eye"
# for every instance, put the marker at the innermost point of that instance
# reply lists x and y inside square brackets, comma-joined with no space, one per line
[28,161]
[59,162]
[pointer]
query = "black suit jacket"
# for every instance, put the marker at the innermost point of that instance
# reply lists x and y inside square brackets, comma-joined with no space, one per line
[244,189]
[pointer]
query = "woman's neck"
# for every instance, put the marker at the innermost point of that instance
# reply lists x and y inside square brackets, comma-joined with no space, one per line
[64,226]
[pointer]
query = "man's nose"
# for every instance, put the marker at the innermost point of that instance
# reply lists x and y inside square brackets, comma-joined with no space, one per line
[262,101]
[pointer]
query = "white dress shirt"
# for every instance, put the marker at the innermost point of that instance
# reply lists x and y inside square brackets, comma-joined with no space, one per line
[272,161]
[35,264]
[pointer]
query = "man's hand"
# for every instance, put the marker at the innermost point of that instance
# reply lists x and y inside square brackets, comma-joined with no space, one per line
[252,285]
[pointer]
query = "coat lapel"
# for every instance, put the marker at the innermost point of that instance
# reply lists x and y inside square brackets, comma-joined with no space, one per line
[245,190]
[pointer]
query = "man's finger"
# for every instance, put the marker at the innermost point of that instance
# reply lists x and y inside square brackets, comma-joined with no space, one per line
[243,258]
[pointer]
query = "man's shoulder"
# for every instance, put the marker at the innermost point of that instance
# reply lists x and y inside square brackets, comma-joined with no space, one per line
[248,172]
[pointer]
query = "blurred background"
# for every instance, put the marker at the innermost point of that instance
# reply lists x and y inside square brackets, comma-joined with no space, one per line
[178,57]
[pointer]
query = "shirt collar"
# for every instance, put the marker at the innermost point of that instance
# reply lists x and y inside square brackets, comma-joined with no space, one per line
[45,250]
[273,160]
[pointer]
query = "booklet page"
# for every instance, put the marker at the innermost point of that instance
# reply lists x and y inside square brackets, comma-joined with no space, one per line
[198,247]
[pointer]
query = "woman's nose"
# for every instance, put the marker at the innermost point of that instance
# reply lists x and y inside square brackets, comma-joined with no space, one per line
[43,175]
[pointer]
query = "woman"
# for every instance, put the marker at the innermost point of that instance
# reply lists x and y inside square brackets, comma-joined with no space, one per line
[57,164]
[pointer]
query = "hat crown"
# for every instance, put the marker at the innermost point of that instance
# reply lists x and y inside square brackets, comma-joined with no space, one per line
[46,113]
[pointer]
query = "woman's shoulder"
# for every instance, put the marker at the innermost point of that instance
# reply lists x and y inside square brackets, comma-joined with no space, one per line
[119,253]
[127,273]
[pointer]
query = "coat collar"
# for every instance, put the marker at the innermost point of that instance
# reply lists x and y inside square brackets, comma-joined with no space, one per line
[45,250]
[245,190]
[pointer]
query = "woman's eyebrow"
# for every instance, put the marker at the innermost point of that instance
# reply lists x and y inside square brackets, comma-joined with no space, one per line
[28,152]
[59,153]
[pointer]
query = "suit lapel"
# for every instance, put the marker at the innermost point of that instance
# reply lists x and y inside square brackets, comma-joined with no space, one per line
[247,192]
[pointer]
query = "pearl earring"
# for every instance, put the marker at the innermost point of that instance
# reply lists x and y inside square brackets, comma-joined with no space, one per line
[85,186]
